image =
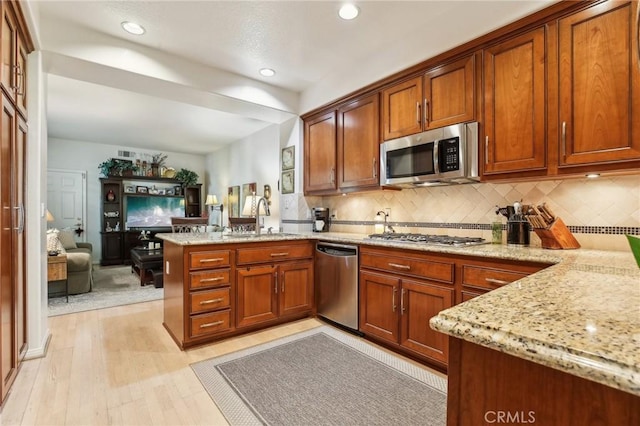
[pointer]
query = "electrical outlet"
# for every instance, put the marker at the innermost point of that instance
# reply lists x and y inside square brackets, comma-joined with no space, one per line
[387,211]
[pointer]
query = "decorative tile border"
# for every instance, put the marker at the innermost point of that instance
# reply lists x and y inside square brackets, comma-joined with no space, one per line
[604,230]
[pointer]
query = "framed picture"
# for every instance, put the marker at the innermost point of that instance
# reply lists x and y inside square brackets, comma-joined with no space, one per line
[233,201]
[287,182]
[129,189]
[142,189]
[178,190]
[288,157]
[162,191]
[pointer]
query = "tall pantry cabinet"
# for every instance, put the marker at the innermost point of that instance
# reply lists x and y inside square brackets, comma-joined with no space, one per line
[15,45]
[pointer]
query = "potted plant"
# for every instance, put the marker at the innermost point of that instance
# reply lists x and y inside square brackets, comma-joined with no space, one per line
[127,168]
[157,161]
[109,168]
[187,177]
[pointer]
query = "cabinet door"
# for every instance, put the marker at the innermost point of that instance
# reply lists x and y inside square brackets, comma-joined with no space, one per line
[8,352]
[296,287]
[19,243]
[111,248]
[192,198]
[401,109]
[359,143]
[599,83]
[379,305]
[449,94]
[514,104]
[21,76]
[257,299]
[419,301]
[320,153]
[8,50]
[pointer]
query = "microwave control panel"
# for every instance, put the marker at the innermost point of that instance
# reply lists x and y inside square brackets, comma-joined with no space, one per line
[449,153]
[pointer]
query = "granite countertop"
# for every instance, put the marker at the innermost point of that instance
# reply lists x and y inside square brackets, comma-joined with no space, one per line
[581,315]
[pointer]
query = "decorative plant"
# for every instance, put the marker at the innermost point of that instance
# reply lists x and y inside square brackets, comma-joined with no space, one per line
[159,159]
[126,166]
[187,177]
[109,167]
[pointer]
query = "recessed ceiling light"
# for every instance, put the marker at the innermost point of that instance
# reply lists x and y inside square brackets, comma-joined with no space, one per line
[133,28]
[592,175]
[267,72]
[348,11]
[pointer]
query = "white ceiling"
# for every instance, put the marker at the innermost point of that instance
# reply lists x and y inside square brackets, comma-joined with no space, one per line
[304,41]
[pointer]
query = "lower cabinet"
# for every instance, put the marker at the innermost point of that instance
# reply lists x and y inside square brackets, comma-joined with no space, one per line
[111,248]
[269,292]
[399,293]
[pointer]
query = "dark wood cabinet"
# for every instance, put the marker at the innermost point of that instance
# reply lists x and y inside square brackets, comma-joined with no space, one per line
[599,86]
[257,297]
[320,159]
[359,144]
[515,105]
[444,95]
[16,44]
[193,201]
[112,248]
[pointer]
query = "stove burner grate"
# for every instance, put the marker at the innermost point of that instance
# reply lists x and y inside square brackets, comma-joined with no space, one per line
[446,240]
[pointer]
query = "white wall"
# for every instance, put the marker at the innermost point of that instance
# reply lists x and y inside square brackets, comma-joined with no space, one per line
[85,156]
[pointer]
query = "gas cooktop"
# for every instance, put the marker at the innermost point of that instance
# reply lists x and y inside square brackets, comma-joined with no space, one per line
[443,240]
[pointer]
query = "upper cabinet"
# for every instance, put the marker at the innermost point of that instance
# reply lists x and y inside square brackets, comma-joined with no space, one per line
[359,143]
[13,72]
[442,96]
[342,148]
[515,104]
[599,85]
[320,153]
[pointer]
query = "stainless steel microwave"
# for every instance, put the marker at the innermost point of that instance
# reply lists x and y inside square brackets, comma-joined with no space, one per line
[444,156]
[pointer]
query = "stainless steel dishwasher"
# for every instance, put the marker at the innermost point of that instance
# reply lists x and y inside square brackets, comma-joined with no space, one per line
[336,282]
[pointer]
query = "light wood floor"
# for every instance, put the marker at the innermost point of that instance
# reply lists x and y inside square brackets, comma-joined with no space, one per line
[118,366]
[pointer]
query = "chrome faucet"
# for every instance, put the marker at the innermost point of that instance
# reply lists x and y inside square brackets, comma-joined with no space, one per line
[266,209]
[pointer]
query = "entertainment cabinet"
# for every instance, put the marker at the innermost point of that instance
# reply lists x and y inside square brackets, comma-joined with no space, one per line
[117,241]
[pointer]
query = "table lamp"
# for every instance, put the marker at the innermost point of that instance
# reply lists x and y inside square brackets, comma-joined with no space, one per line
[249,208]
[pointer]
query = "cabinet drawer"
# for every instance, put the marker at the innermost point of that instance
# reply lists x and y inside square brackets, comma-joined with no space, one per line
[488,278]
[214,322]
[209,259]
[209,300]
[214,278]
[274,253]
[413,266]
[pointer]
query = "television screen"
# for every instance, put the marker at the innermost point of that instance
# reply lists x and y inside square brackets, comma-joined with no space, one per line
[152,212]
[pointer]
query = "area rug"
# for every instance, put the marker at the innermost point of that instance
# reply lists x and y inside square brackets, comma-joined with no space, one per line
[322,377]
[112,286]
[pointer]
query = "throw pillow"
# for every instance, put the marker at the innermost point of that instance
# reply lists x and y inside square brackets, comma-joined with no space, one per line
[66,238]
[53,243]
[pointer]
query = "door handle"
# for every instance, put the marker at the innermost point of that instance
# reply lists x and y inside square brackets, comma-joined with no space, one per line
[426,111]
[279,254]
[211,324]
[275,286]
[402,302]
[393,300]
[564,138]
[209,280]
[398,266]
[375,169]
[215,259]
[418,112]
[496,281]
[210,301]
[282,284]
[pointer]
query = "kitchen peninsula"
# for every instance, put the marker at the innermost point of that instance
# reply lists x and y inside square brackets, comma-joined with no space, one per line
[577,318]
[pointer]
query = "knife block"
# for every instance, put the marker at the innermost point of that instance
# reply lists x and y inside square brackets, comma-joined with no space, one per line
[557,236]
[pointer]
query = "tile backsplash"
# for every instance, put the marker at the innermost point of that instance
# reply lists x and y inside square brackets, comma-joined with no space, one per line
[598,211]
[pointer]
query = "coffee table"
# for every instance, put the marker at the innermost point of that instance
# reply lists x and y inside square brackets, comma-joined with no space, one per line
[145,261]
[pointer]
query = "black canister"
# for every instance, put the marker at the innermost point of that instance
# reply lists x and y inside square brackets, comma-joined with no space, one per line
[518,230]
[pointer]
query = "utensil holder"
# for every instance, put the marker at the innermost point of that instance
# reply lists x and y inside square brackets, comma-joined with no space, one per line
[557,236]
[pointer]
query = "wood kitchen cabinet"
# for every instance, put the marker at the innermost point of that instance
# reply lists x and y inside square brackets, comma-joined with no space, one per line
[515,106]
[359,144]
[599,87]
[442,96]
[320,159]
[342,148]
[273,282]
[399,292]
[16,44]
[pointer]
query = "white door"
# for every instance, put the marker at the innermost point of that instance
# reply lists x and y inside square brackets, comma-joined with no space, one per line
[66,200]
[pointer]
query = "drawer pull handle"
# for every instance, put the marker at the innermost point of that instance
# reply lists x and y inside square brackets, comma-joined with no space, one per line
[398,266]
[215,259]
[496,281]
[210,301]
[279,254]
[211,324]
[208,280]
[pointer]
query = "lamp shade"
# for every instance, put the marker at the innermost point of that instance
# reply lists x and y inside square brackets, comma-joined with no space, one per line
[50,217]
[211,200]
[249,208]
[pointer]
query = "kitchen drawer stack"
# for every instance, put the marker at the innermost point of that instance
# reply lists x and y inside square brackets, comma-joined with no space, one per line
[209,292]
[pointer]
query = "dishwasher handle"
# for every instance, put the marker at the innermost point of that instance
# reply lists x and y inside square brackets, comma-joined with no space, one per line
[337,250]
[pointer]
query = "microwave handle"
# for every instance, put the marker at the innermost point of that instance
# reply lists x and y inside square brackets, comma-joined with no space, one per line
[436,163]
